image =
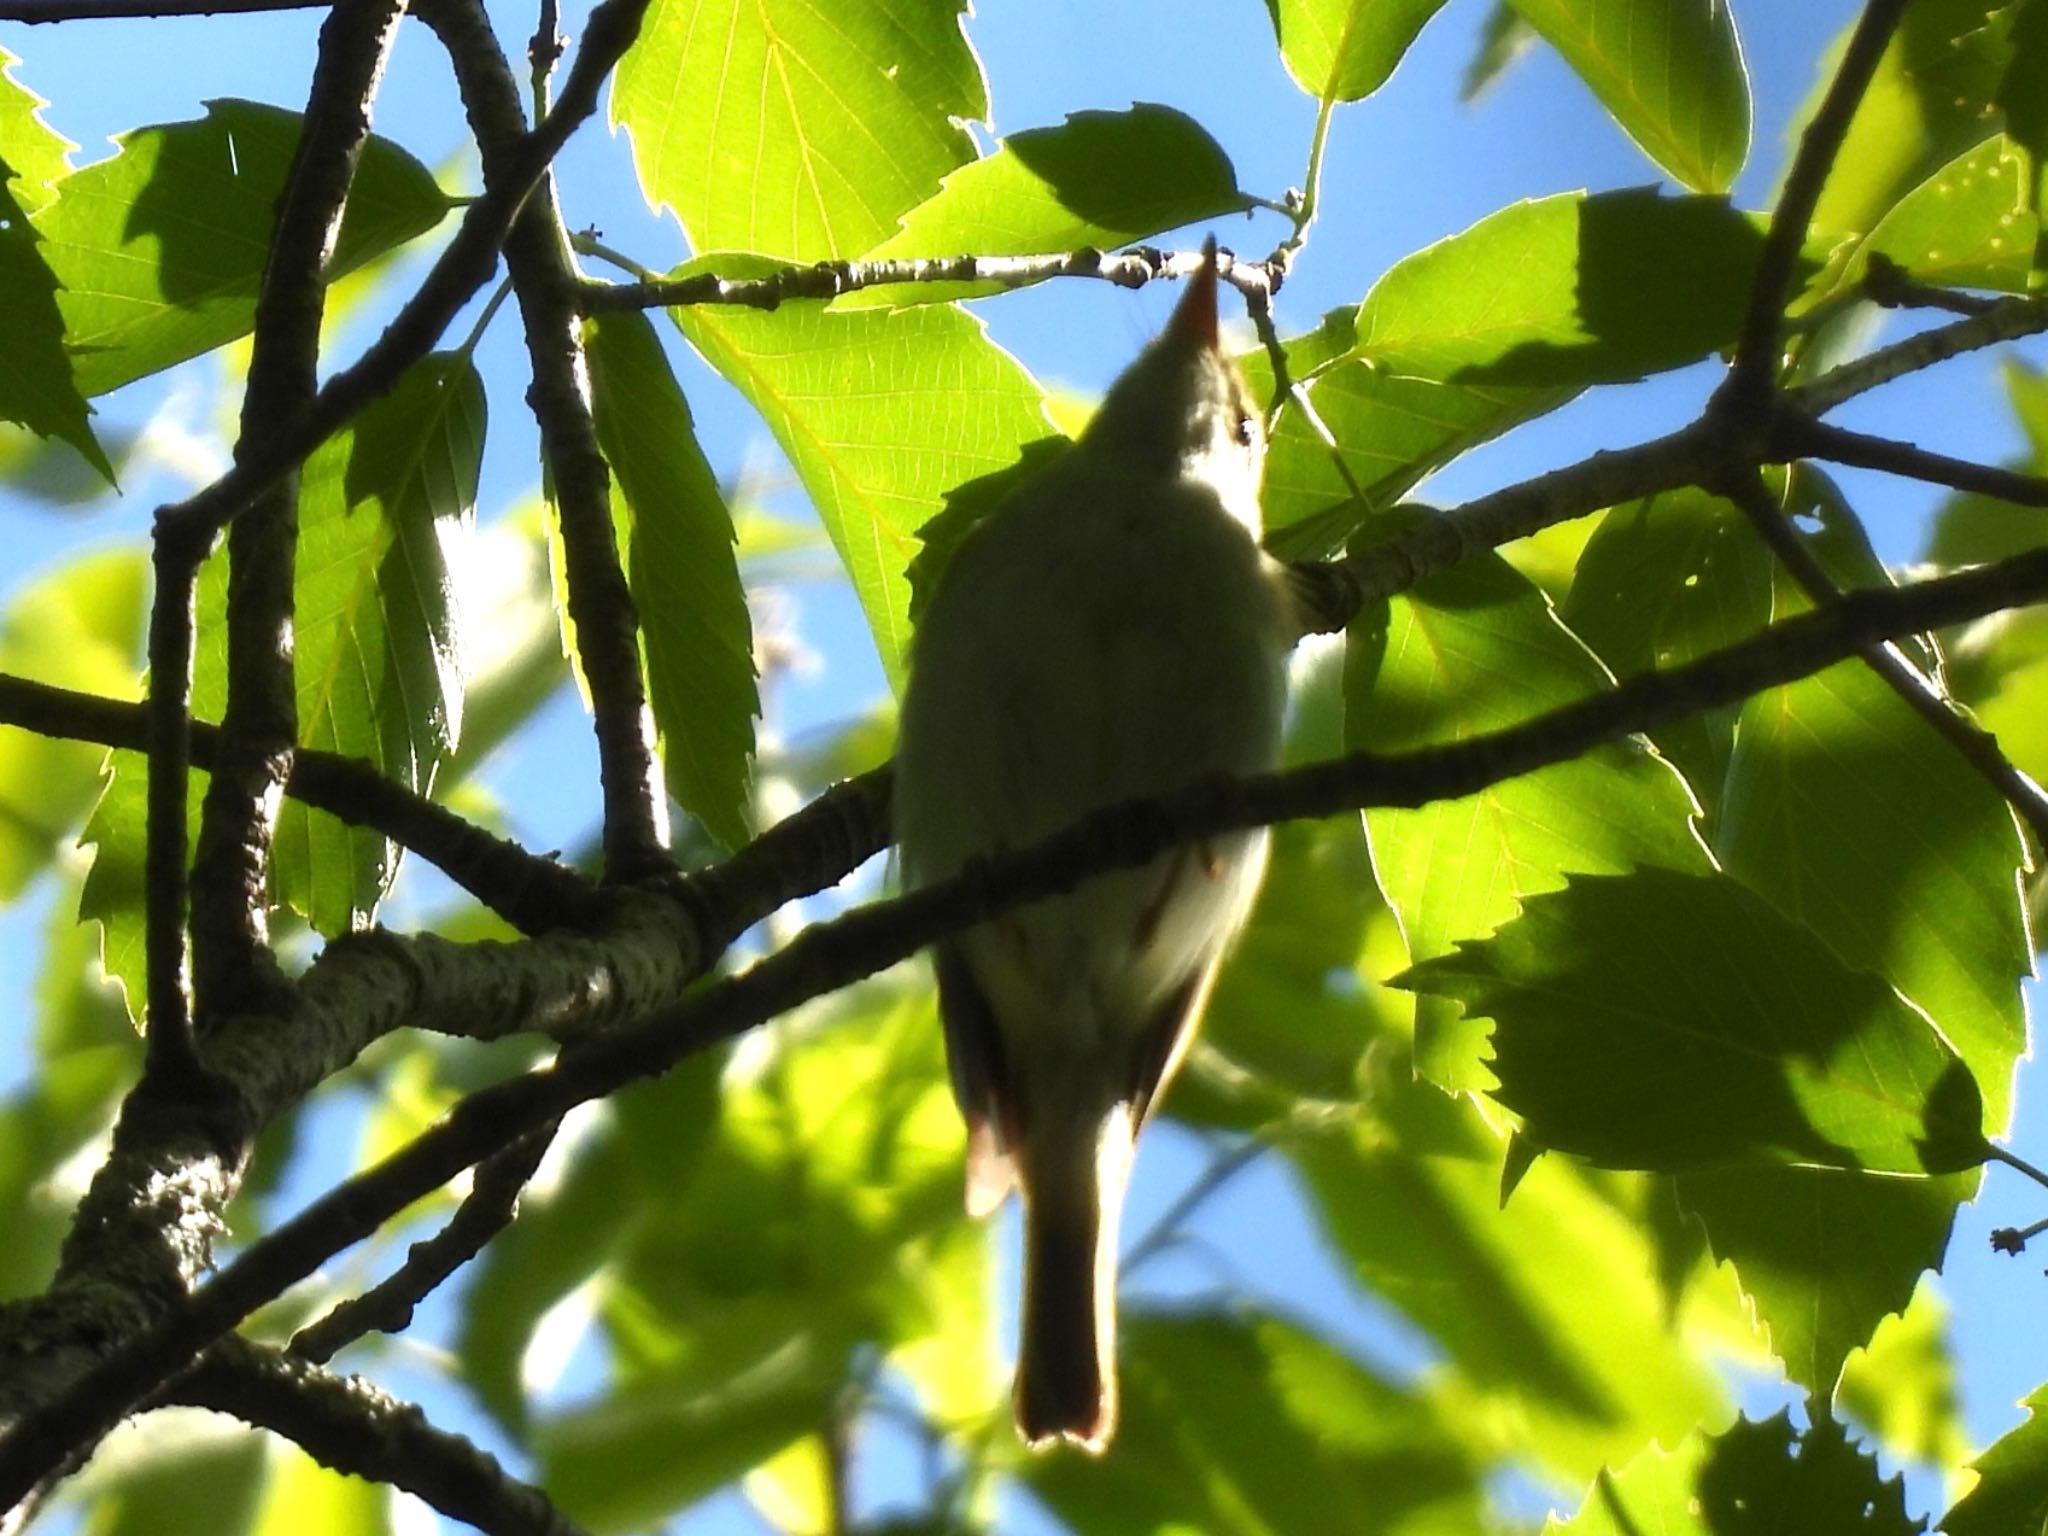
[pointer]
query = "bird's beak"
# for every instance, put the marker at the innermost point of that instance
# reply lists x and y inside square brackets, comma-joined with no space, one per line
[1194,318]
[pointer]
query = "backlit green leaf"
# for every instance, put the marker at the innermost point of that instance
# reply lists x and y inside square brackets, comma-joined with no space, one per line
[1725,1034]
[1669,71]
[1567,291]
[1340,50]
[1475,649]
[1102,179]
[36,385]
[160,249]
[881,413]
[2011,1492]
[35,153]
[684,574]
[852,111]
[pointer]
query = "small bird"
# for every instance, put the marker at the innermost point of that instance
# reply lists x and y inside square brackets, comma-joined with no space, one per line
[1111,630]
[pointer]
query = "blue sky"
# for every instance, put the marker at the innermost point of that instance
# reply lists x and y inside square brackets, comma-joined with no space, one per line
[1404,169]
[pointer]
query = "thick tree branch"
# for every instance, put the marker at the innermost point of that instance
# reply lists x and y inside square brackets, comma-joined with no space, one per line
[260,725]
[600,603]
[834,954]
[531,892]
[175,560]
[1978,747]
[352,1426]
[1756,348]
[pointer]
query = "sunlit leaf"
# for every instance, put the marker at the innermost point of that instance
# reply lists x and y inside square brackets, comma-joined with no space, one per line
[1824,1255]
[37,389]
[881,413]
[853,110]
[1969,225]
[1475,649]
[1724,1033]
[1340,50]
[1906,1388]
[1504,39]
[1669,71]
[1102,179]
[34,152]
[1548,1307]
[1566,291]
[1663,581]
[160,249]
[684,575]
[2011,1492]
[1244,1426]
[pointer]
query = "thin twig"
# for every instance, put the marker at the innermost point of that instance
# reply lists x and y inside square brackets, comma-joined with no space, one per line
[260,726]
[2007,320]
[829,279]
[1216,1173]
[1978,747]
[1890,285]
[1795,436]
[388,1306]
[599,598]
[1756,348]
[176,561]
[833,954]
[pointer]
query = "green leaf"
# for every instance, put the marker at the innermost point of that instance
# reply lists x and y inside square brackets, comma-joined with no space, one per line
[1848,812]
[1334,1447]
[1567,291]
[384,513]
[78,627]
[1474,649]
[684,574]
[1665,580]
[385,517]
[1930,99]
[1391,432]
[1340,50]
[1905,1386]
[881,413]
[811,1207]
[160,249]
[1969,225]
[1669,72]
[2011,1493]
[187,1470]
[1102,179]
[1756,1477]
[34,152]
[855,109]
[1824,1256]
[36,385]
[1548,1307]
[1726,1034]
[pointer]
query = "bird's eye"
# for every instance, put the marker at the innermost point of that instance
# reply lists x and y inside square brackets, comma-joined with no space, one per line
[1245,429]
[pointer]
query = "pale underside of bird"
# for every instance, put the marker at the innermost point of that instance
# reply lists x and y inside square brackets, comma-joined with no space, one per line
[1109,632]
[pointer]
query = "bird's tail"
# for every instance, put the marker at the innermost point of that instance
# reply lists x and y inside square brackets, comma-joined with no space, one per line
[1066,1361]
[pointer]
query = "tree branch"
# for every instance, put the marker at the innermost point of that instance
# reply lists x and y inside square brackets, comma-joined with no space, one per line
[463,267]
[260,725]
[1751,375]
[350,1425]
[1977,747]
[2007,320]
[531,892]
[387,1307]
[600,602]
[834,954]
[1800,437]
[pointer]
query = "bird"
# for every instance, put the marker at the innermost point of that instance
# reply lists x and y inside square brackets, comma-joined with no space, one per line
[1111,630]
